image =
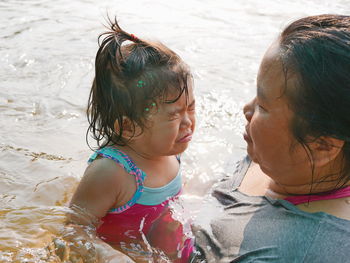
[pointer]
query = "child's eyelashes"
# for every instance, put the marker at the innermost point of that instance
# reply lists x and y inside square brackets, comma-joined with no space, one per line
[192,108]
[173,117]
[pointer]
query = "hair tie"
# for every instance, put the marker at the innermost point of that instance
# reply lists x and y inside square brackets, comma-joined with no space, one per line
[133,38]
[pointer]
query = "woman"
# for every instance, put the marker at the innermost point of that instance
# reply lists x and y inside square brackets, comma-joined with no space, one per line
[294,205]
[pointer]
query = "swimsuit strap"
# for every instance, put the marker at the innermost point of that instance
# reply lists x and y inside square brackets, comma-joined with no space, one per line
[129,166]
[300,199]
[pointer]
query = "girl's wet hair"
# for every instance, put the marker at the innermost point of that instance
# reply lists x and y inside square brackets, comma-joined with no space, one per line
[129,79]
[316,50]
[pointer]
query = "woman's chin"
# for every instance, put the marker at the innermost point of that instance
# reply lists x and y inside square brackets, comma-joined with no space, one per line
[251,154]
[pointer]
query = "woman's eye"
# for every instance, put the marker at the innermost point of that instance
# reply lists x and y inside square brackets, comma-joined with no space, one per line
[259,107]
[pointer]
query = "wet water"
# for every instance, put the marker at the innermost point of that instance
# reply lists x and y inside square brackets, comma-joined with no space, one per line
[47,50]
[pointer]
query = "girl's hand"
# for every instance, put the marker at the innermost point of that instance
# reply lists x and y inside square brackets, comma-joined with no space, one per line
[74,246]
[167,235]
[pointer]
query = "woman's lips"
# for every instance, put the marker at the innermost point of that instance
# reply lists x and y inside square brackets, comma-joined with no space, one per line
[246,137]
[186,138]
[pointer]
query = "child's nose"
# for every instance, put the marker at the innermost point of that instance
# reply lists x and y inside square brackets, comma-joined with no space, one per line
[248,109]
[187,120]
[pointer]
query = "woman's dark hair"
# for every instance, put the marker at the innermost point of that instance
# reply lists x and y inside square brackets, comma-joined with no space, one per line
[129,79]
[316,50]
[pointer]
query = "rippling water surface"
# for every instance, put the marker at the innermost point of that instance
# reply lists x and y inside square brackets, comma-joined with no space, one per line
[47,50]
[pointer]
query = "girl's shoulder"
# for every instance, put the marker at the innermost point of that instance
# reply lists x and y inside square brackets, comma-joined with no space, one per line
[112,165]
[104,176]
[116,155]
[103,185]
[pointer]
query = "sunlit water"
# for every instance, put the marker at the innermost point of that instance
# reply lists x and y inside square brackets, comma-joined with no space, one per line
[47,50]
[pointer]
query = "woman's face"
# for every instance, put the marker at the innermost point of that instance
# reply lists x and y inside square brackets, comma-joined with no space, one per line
[268,131]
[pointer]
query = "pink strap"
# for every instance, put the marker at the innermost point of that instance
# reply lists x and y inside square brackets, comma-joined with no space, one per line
[301,199]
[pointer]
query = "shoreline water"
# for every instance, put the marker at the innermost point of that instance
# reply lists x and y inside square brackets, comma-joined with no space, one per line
[47,59]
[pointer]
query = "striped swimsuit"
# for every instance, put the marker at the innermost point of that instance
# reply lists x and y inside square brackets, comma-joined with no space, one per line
[127,226]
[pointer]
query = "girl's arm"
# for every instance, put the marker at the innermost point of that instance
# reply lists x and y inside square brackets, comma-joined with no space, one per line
[99,190]
[167,236]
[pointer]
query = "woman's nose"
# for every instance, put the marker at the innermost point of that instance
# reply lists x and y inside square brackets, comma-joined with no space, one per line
[248,109]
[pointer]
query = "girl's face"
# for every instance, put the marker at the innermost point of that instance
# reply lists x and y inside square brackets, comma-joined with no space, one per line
[170,129]
[268,131]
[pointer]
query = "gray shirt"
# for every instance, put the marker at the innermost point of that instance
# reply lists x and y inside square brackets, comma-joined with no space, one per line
[241,228]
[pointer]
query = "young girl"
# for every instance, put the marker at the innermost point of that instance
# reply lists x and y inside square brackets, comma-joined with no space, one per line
[141,113]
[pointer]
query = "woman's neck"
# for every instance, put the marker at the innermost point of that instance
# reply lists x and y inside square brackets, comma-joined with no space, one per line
[323,179]
[303,189]
[321,183]
[256,182]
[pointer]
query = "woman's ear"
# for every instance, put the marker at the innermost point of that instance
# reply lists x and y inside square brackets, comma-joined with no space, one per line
[325,149]
[128,128]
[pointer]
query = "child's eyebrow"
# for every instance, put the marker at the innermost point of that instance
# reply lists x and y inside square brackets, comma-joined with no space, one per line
[178,109]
